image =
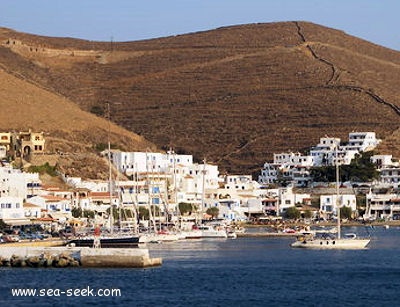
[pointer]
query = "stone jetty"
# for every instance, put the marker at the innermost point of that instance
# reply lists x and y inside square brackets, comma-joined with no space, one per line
[62,257]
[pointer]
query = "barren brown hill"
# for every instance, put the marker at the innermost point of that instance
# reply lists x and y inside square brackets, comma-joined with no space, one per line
[233,95]
[67,128]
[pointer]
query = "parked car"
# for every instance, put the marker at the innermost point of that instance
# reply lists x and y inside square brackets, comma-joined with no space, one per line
[66,233]
[10,238]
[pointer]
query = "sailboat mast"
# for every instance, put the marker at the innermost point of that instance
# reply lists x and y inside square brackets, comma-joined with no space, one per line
[110,172]
[203,191]
[337,195]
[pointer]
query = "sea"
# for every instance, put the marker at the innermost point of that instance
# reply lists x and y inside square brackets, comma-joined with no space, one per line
[234,272]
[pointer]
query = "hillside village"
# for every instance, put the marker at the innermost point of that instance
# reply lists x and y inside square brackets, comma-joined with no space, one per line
[171,187]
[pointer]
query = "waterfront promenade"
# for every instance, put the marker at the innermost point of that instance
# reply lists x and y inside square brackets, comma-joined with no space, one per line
[276,229]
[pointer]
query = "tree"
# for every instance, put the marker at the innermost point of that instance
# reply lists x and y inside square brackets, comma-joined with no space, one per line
[76,212]
[360,169]
[3,225]
[213,211]
[186,208]
[88,214]
[143,213]
[97,110]
[345,212]
[292,213]
[307,214]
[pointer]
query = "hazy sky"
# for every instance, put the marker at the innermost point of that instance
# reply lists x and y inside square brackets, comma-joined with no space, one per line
[377,21]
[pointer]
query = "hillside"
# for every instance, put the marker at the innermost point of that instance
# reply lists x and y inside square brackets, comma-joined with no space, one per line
[67,128]
[233,95]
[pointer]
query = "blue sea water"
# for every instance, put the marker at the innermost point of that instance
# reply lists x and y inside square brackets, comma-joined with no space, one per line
[241,272]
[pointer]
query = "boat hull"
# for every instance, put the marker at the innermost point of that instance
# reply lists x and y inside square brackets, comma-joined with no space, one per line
[199,234]
[120,242]
[332,244]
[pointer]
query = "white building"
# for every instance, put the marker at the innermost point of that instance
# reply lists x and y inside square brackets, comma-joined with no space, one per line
[12,210]
[382,206]
[287,198]
[293,167]
[32,211]
[383,161]
[3,151]
[323,152]
[231,210]
[130,163]
[50,203]
[15,183]
[390,176]
[189,183]
[329,203]
[362,141]
[293,159]
[92,185]
[269,174]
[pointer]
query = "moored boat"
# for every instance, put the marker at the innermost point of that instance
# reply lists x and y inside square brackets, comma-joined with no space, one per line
[350,241]
[106,241]
[206,231]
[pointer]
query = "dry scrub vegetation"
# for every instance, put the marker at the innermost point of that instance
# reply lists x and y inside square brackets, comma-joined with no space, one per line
[233,95]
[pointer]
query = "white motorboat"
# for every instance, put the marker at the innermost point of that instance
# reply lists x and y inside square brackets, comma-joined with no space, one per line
[158,237]
[207,231]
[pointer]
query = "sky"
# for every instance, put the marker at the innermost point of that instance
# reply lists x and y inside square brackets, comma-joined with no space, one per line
[128,20]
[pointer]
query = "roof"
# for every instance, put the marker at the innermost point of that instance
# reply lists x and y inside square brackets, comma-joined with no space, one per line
[101,195]
[29,205]
[50,198]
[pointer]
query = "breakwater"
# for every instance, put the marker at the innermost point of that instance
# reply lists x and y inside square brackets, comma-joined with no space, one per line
[64,256]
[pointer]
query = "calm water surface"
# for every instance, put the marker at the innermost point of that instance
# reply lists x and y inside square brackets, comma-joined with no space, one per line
[242,272]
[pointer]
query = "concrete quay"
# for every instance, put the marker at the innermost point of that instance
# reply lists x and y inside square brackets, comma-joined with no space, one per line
[87,257]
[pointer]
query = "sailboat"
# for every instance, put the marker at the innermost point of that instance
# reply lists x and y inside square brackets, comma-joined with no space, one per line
[350,241]
[112,240]
[206,231]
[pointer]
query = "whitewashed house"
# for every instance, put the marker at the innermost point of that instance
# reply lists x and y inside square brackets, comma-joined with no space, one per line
[269,173]
[383,161]
[287,198]
[382,206]
[322,153]
[50,203]
[15,183]
[329,203]
[32,211]
[131,163]
[390,176]
[232,210]
[12,210]
[292,167]
[362,141]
